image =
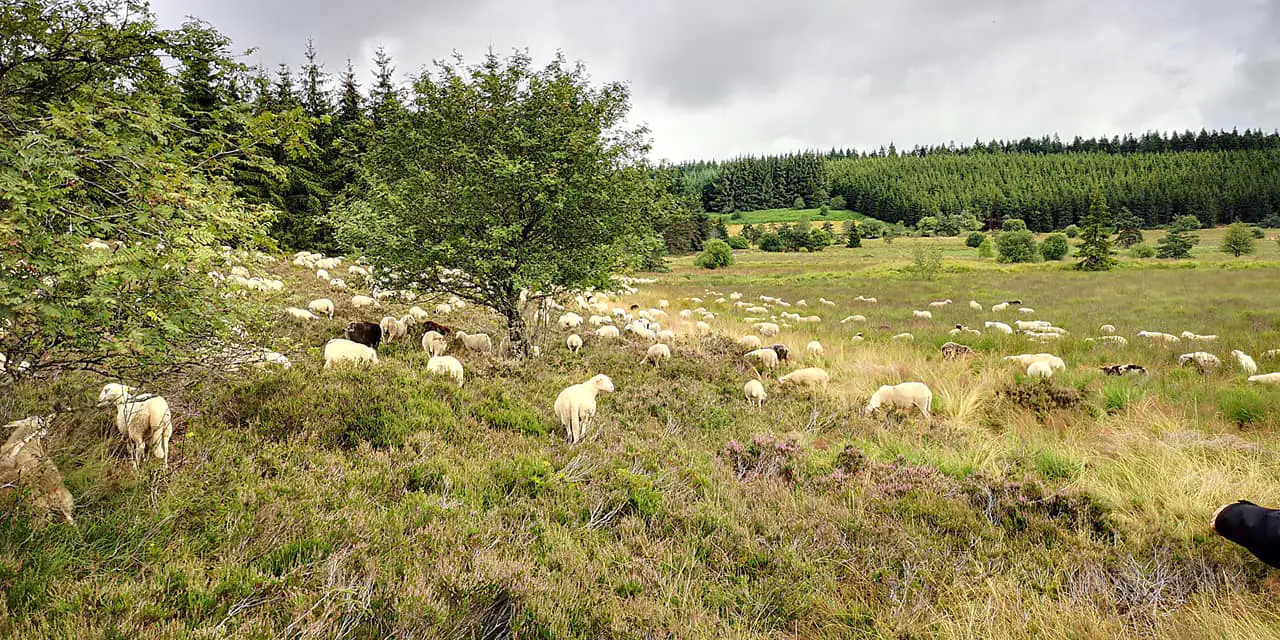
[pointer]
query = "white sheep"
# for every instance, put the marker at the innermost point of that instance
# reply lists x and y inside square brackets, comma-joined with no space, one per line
[443,309]
[1246,362]
[1158,336]
[1266,378]
[145,419]
[573,342]
[999,326]
[608,331]
[1120,340]
[1195,337]
[323,275]
[975,305]
[664,303]
[1040,369]
[476,341]
[749,342]
[808,376]
[1000,307]
[923,315]
[754,391]
[940,303]
[657,353]
[239,271]
[434,343]
[902,396]
[322,305]
[1271,353]
[360,302]
[826,302]
[418,313]
[814,348]
[768,357]
[569,320]
[393,328]
[854,318]
[1026,310]
[446,366]
[300,314]
[1025,360]
[1203,360]
[767,329]
[1107,328]
[867,300]
[339,350]
[907,337]
[666,335]
[702,327]
[575,406]
[338,284]
[96,245]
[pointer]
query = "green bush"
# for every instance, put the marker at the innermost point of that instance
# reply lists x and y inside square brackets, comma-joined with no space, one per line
[1072,231]
[975,239]
[1258,233]
[1017,246]
[798,203]
[927,262]
[871,228]
[771,242]
[738,242]
[1055,247]
[824,210]
[986,249]
[1238,241]
[837,203]
[1142,250]
[1013,224]
[715,254]
[1185,223]
[1176,244]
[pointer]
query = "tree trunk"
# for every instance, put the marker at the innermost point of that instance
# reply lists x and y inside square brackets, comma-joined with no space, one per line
[517,333]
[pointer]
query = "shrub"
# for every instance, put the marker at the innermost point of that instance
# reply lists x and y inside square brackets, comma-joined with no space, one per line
[1185,223]
[974,240]
[927,262]
[927,226]
[1244,406]
[1272,221]
[986,249]
[818,240]
[1258,233]
[871,228]
[798,203]
[736,215]
[824,210]
[1176,244]
[1017,246]
[715,254]
[771,241]
[1142,250]
[1055,247]
[853,239]
[1013,224]
[1072,231]
[837,203]
[738,242]
[1238,241]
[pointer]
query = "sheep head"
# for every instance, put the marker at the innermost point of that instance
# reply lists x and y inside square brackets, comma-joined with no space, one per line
[602,383]
[114,393]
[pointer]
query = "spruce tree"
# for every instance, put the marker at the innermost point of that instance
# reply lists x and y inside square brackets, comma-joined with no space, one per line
[283,94]
[1096,247]
[384,97]
[315,92]
[853,237]
[1128,228]
[350,102]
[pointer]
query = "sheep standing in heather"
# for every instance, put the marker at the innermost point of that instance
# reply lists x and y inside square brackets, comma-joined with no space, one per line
[814,349]
[446,366]
[144,419]
[1203,360]
[1246,361]
[475,341]
[300,314]
[321,306]
[768,358]
[573,342]
[902,396]
[365,333]
[24,466]
[434,343]
[754,390]
[657,353]
[809,376]
[1040,369]
[575,406]
[338,350]
[393,328]
[749,342]
[1266,378]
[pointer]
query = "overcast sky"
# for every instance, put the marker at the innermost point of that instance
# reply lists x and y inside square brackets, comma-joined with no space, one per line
[720,78]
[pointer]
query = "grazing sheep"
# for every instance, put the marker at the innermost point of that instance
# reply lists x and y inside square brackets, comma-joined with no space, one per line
[826,302]
[940,303]
[1123,369]
[576,405]
[475,341]
[446,366]
[702,327]
[443,309]
[854,318]
[1000,307]
[339,350]
[975,305]
[657,353]
[867,300]
[953,350]
[767,329]
[857,337]
[666,335]
[1026,310]
[418,313]
[1040,369]
[1266,378]
[300,314]
[443,330]
[573,342]
[1271,353]
[321,274]
[808,376]
[338,284]
[1246,362]
[434,343]
[902,396]
[1158,336]
[1120,340]
[360,302]
[24,466]
[1203,360]
[145,419]
[999,326]
[783,351]
[754,391]
[923,315]
[814,349]
[768,357]
[96,245]
[239,271]
[392,328]
[664,303]
[569,320]
[750,342]
[1107,328]
[322,305]
[1025,360]
[903,337]
[801,303]
[959,329]
[608,332]
[1195,337]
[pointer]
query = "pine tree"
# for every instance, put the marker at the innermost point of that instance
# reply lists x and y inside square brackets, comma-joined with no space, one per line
[1096,247]
[350,102]
[315,92]
[1176,244]
[384,97]
[1128,228]
[853,237]
[283,95]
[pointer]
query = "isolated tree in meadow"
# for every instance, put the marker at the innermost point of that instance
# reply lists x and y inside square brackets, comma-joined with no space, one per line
[715,254]
[853,238]
[1015,243]
[838,203]
[1176,244]
[1128,228]
[798,203]
[1055,247]
[502,181]
[1239,240]
[1095,248]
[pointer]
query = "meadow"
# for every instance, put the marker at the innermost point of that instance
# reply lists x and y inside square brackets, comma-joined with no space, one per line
[384,502]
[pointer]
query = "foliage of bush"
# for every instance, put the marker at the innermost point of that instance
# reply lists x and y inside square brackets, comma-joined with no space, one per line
[1055,247]
[1238,240]
[1142,250]
[738,242]
[974,239]
[715,254]
[1017,245]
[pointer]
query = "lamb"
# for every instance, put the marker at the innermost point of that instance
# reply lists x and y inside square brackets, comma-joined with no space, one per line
[573,342]
[902,396]
[767,329]
[754,391]
[1266,378]
[826,302]
[1195,337]
[608,331]
[446,366]
[569,320]
[768,357]
[750,342]
[1123,369]
[443,309]
[1203,360]
[903,337]
[809,376]
[1026,310]
[1000,307]
[434,343]
[338,284]
[392,328]
[664,303]
[300,314]
[959,329]
[975,305]
[322,275]
[783,351]
[360,302]
[814,349]
[940,303]
[476,341]
[576,405]
[1246,362]
[1156,335]
[418,313]
[365,333]
[1025,360]
[657,353]
[923,315]
[1107,328]
[999,326]
[854,318]
[1040,369]
[867,300]
[953,350]
[145,419]
[339,350]
[24,466]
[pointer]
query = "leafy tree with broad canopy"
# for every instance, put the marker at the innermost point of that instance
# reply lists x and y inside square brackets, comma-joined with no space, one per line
[504,183]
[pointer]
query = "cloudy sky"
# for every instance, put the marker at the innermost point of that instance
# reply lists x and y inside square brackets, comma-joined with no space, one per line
[720,78]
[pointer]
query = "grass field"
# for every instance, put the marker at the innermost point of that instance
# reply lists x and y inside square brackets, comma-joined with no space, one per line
[388,503]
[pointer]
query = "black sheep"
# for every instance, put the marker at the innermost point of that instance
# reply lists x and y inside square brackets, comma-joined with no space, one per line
[784,353]
[1253,527]
[366,333]
[432,325]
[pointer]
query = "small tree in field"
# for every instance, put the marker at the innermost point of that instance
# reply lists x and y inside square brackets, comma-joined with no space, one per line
[798,203]
[1055,247]
[715,254]
[1176,244]
[1015,243]
[1239,240]
[853,239]
[1096,242]
[1128,228]
[503,180]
